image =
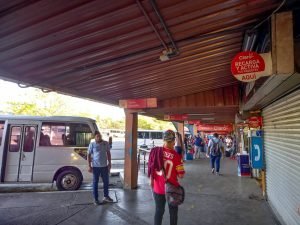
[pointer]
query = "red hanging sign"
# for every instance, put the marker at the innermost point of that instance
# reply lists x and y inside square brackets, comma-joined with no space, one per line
[255,121]
[249,66]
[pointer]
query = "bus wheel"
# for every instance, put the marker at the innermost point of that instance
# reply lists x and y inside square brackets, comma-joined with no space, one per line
[68,180]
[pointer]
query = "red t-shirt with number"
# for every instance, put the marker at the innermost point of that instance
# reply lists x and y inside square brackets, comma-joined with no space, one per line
[173,166]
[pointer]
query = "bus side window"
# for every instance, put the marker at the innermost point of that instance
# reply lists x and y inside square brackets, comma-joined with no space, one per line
[65,134]
[140,135]
[45,135]
[44,140]
[15,139]
[81,134]
[144,134]
[156,135]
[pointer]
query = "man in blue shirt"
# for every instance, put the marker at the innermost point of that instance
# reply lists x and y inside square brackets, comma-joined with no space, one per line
[198,146]
[99,161]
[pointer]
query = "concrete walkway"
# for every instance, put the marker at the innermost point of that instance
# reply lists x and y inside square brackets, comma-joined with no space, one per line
[210,200]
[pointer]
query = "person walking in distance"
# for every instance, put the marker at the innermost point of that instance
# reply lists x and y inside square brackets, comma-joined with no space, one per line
[99,162]
[198,144]
[172,166]
[215,150]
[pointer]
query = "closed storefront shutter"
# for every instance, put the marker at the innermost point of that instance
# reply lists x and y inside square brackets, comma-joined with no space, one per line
[282,155]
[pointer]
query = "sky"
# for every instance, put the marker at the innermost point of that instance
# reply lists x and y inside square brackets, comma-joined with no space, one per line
[12,92]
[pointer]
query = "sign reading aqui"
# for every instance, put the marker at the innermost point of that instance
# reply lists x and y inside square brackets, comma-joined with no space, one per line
[249,66]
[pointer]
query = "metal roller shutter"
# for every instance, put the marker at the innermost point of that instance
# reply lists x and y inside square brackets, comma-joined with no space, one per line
[282,154]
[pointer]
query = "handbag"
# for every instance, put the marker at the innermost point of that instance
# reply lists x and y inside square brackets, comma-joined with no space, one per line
[174,194]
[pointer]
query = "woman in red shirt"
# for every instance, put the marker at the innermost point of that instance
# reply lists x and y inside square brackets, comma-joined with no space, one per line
[174,169]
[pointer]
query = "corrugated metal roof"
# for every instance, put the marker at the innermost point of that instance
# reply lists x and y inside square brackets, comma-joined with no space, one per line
[106,50]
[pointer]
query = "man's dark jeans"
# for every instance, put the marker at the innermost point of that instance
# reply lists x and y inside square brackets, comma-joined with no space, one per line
[160,202]
[215,160]
[103,171]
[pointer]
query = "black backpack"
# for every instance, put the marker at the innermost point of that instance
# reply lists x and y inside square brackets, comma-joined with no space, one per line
[215,149]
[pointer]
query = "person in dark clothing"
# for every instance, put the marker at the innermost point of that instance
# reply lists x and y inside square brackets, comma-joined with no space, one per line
[198,145]
[178,144]
[215,152]
[186,140]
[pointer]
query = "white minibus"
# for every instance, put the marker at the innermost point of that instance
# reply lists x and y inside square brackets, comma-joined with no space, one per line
[45,149]
[150,138]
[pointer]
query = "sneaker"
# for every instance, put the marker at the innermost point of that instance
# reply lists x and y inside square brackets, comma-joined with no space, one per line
[108,199]
[96,202]
[213,170]
[217,173]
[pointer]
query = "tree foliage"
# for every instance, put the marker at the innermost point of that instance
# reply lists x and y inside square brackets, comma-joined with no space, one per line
[149,123]
[37,103]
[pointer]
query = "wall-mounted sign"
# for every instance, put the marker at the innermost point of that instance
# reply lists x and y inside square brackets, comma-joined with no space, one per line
[141,103]
[255,121]
[215,127]
[249,66]
[256,152]
[176,117]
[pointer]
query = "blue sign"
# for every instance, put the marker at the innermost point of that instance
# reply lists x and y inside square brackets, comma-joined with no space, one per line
[257,152]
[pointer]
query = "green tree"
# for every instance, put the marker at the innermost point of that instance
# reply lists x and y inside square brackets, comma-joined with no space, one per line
[18,108]
[149,123]
[37,103]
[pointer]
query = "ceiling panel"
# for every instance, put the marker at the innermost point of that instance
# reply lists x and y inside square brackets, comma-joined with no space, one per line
[107,50]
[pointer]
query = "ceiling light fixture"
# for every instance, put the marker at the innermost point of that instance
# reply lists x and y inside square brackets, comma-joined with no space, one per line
[167,54]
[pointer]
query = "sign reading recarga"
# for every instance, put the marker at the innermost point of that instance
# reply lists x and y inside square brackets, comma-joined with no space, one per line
[249,66]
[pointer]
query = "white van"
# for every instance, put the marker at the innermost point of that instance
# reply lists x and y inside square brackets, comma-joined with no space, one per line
[45,149]
[150,138]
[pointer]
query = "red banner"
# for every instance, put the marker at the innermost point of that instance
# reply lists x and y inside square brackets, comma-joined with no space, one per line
[141,103]
[215,127]
[255,121]
[174,117]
